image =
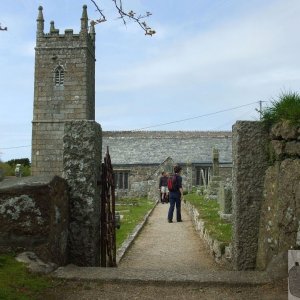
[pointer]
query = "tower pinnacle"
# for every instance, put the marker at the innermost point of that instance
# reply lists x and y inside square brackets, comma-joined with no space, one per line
[40,21]
[84,19]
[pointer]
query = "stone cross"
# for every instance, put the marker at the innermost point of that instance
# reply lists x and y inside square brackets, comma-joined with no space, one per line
[215,155]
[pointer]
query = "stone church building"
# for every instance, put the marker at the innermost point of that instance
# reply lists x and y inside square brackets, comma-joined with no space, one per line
[139,157]
[64,90]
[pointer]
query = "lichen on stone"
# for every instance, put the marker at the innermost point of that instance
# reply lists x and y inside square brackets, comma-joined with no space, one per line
[13,208]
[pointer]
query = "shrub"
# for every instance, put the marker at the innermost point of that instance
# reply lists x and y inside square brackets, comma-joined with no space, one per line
[9,169]
[287,107]
[22,161]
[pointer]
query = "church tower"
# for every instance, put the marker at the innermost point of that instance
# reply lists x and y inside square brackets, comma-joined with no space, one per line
[64,89]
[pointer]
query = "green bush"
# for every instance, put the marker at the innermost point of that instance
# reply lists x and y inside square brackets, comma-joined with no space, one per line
[286,108]
[23,161]
[9,169]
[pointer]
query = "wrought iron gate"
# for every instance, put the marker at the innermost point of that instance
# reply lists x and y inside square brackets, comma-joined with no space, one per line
[108,228]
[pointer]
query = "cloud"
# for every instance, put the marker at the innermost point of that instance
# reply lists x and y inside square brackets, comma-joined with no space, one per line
[241,48]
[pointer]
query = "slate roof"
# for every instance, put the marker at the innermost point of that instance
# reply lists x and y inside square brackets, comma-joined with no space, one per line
[153,147]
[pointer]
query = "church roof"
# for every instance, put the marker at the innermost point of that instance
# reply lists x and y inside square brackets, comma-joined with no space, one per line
[153,147]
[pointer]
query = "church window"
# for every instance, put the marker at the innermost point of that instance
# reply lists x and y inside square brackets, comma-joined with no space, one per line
[121,179]
[59,76]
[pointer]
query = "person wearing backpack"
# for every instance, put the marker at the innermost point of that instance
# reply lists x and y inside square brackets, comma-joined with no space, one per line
[175,194]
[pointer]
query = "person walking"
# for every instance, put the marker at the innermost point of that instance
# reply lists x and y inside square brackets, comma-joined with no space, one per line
[175,195]
[163,187]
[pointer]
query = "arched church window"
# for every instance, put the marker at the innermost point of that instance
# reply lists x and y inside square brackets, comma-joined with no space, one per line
[59,76]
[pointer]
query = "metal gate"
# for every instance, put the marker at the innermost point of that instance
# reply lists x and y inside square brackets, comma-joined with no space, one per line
[108,228]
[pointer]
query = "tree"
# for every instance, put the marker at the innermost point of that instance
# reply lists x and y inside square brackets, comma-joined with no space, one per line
[22,161]
[3,28]
[125,16]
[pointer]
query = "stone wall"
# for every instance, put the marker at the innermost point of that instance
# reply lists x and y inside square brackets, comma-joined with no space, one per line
[266,195]
[137,180]
[153,182]
[144,179]
[47,148]
[82,170]
[34,216]
[225,172]
[250,160]
[280,218]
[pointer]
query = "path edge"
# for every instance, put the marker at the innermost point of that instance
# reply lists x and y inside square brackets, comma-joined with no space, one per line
[129,241]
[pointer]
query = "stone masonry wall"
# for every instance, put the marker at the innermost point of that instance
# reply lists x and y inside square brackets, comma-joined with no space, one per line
[34,215]
[47,148]
[153,182]
[144,179]
[280,218]
[137,180]
[82,170]
[249,167]
[225,172]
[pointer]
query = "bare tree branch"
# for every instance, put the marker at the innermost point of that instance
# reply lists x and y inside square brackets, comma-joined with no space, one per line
[102,19]
[3,28]
[131,15]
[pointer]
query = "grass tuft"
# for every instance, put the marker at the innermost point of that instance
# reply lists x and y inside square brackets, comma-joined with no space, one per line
[286,108]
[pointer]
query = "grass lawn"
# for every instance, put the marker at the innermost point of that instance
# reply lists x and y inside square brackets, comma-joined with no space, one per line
[133,212]
[208,212]
[16,283]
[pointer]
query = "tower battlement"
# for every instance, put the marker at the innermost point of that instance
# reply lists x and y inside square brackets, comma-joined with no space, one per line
[86,35]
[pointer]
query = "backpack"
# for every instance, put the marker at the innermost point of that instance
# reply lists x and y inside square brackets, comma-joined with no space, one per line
[172,183]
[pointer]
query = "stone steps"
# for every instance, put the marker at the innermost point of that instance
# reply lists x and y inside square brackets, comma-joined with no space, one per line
[205,278]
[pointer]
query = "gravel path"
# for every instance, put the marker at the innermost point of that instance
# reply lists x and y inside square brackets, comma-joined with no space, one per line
[79,290]
[163,249]
[168,246]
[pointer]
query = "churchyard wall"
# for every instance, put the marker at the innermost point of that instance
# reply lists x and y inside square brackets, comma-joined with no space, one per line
[34,216]
[266,195]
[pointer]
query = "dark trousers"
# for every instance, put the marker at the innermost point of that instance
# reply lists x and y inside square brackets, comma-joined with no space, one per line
[174,200]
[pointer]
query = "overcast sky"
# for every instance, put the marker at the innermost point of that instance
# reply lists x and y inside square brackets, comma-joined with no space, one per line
[207,56]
